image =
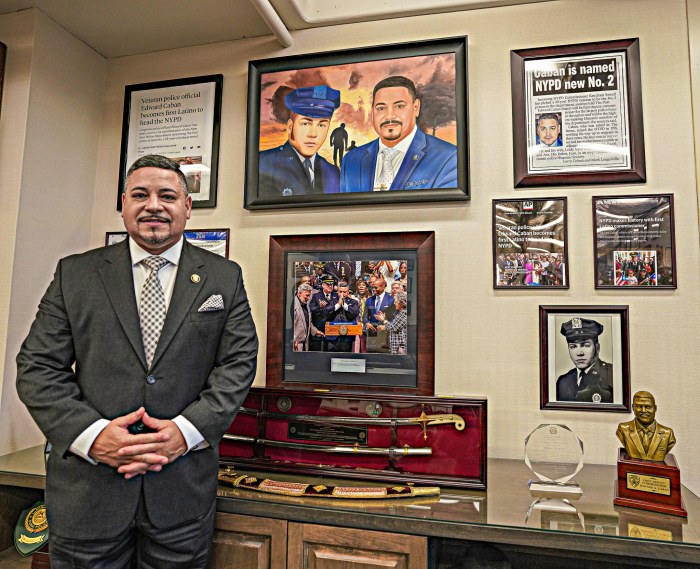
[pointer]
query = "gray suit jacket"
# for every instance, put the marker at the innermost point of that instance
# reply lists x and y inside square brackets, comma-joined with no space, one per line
[205,362]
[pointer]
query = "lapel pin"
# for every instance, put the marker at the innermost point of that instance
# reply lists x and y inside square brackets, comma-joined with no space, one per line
[415,156]
[195,278]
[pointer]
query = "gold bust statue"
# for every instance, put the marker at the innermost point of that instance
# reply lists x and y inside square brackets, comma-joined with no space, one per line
[643,437]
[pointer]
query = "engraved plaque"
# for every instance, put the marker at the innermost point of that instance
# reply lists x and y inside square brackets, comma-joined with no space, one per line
[327,433]
[651,484]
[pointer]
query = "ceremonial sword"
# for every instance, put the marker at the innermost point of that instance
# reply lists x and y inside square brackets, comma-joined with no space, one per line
[423,420]
[342,449]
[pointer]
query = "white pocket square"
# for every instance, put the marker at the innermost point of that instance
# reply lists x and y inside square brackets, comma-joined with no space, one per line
[214,302]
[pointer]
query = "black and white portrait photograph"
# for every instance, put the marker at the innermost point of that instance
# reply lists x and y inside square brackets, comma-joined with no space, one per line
[584,357]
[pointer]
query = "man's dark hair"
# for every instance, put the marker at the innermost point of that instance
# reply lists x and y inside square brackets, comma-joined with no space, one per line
[396,81]
[549,116]
[157,161]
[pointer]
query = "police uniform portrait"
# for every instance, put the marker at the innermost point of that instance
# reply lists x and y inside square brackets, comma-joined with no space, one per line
[296,168]
[590,380]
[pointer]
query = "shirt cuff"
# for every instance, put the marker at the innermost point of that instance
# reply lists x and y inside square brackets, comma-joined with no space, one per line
[83,443]
[193,438]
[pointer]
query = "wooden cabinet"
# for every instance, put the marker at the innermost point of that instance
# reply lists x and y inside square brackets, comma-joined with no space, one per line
[248,542]
[312,546]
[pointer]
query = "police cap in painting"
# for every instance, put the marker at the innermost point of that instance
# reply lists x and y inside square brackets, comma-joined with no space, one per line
[579,329]
[317,102]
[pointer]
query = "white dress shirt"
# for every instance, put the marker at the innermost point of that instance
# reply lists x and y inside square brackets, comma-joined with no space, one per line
[402,148]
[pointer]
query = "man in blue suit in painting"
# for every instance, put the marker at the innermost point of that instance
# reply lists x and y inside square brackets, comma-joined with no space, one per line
[295,168]
[403,157]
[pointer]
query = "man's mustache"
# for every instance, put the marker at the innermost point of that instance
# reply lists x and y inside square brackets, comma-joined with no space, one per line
[154,218]
[397,123]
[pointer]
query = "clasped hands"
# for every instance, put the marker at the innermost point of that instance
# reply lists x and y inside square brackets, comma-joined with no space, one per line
[134,455]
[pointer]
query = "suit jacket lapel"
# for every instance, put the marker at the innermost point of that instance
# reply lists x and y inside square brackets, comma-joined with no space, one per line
[637,441]
[118,280]
[409,164]
[368,164]
[184,294]
[655,441]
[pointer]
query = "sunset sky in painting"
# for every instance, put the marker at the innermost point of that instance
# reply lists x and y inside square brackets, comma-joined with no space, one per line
[355,82]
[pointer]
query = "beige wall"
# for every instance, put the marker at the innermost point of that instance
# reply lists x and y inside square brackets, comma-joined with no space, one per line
[486,340]
[55,152]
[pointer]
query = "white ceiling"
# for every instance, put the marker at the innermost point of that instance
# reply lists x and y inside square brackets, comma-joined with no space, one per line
[115,28]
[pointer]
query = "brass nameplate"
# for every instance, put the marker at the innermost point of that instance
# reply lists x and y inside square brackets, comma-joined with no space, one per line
[327,433]
[650,484]
[635,530]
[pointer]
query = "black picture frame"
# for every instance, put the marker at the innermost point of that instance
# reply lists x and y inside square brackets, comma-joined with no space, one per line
[607,367]
[3,56]
[536,227]
[412,373]
[438,68]
[634,232]
[214,240]
[193,143]
[600,139]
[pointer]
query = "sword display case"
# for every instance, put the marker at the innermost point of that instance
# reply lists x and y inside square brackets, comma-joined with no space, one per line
[389,438]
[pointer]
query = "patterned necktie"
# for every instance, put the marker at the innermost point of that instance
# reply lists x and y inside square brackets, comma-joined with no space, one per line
[152,307]
[387,175]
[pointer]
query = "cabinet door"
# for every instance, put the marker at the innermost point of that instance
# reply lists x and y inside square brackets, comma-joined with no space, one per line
[247,542]
[323,547]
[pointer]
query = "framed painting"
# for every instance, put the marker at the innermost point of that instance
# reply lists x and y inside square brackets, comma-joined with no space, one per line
[633,240]
[352,312]
[179,119]
[529,244]
[584,358]
[384,124]
[577,114]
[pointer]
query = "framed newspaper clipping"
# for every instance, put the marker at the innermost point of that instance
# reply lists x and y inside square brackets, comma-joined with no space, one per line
[577,114]
[633,239]
[180,119]
[529,243]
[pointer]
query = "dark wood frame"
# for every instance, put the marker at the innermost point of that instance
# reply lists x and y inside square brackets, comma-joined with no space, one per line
[623,312]
[495,252]
[3,55]
[226,230]
[422,242]
[256,69]
[218,81]
[636,173]
[674,283]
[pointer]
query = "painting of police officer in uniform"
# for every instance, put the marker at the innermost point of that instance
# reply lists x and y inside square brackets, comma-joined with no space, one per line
[586,361]
[356,130]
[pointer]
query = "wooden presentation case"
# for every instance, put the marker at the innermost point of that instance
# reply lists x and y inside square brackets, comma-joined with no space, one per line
[457,459]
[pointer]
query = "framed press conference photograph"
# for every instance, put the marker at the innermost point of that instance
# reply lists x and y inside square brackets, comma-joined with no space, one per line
[214,240]
[577,114]
[180,119]
[584,358]
[374,125]
[352,312]
[633,240]
[529,244]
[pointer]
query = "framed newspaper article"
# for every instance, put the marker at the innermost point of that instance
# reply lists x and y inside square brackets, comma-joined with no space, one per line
[577,114]
[352,312]
[633,239]
[584,358]
[179,119]
[529,244]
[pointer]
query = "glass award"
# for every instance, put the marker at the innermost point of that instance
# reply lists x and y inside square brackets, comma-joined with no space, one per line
[555,513]
[555,455]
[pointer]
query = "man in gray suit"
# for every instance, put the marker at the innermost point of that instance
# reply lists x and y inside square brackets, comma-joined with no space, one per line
[134,368]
